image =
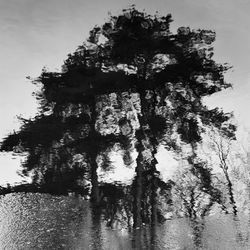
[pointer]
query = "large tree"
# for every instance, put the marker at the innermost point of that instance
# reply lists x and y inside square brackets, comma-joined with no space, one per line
[133,84]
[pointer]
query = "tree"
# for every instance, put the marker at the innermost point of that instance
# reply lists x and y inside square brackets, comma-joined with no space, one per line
[219,152]
[133,83]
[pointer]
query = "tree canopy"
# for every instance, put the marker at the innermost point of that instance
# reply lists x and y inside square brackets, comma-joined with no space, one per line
[133,84]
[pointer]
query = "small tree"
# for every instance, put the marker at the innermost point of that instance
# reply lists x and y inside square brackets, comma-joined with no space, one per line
[221,145]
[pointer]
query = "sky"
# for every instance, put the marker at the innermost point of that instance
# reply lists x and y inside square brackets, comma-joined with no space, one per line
[34,34]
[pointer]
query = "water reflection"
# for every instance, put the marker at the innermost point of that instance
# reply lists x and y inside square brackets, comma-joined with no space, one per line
[42,221]
[139,89]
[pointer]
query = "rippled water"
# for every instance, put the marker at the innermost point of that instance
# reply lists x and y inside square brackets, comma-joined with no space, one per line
[42,221]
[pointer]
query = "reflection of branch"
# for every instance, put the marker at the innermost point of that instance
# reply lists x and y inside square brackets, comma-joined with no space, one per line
[198,195]
[223,153]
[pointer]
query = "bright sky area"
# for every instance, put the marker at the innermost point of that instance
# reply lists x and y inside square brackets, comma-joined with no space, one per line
[37,33]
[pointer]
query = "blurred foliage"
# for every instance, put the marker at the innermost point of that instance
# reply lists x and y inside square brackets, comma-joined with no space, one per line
[132,83]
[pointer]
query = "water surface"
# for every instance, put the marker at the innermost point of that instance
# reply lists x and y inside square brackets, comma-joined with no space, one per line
[42,221]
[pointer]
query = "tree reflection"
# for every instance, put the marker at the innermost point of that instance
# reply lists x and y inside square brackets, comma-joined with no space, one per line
[197,227]
[136,84]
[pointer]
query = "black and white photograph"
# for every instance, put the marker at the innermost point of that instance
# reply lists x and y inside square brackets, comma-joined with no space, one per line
[124,125]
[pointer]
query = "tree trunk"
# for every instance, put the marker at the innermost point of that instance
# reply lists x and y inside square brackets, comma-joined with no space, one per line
[153,201]
[138,192]
[146,166]
[95,191]
[230,192]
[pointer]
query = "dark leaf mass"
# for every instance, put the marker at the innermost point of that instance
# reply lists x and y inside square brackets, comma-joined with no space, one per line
[131,86]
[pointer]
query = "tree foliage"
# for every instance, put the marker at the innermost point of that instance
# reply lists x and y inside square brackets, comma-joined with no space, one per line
[135,83]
